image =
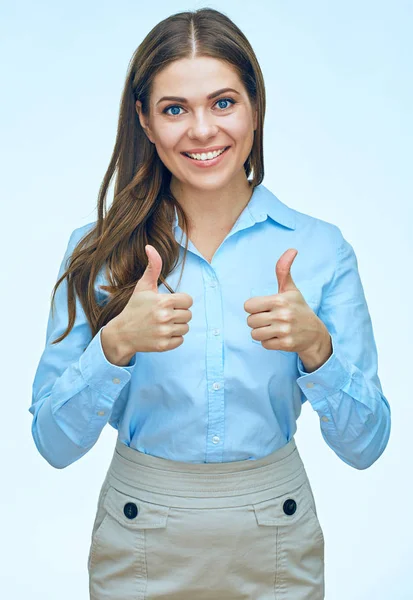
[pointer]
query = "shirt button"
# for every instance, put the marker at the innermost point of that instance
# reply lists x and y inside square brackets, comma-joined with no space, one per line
[215,331]
[213,284]
[116,380]
[325,419]
[216,386]
[215,439]
[309,384]
[100,413]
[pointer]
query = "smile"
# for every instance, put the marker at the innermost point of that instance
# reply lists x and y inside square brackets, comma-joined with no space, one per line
[207,162]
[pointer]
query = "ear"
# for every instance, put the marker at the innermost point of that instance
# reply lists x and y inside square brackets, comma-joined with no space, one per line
[143,121]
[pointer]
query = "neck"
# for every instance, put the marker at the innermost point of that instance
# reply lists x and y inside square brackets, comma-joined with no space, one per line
[212,209]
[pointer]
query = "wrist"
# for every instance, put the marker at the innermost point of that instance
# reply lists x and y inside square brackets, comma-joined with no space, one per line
[114,346]
[315,357]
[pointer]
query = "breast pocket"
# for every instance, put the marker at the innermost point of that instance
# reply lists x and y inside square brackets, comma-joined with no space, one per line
[311,295]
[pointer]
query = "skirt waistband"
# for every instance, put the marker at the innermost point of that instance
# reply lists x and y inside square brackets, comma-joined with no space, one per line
[184,484]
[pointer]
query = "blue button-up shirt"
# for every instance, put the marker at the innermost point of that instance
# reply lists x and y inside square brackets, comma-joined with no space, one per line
[221,396]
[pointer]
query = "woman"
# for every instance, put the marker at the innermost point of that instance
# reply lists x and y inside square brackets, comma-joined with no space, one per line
[206,495]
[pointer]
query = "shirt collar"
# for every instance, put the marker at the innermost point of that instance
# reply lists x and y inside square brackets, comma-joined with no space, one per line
[264,203]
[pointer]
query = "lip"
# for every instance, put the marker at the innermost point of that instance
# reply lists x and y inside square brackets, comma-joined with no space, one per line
[206,150]
[206,164]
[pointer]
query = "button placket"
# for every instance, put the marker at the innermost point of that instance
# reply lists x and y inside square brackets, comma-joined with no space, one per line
[214,366]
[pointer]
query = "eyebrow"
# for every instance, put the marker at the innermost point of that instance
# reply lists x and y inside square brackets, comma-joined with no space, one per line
[213,95]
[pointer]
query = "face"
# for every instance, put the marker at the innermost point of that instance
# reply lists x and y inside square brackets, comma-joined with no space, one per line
[196,123]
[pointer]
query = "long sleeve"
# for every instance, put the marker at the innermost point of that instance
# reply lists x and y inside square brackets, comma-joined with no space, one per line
[75,386]
[355,417]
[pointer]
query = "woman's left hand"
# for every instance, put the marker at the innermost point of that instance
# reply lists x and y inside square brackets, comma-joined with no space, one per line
[284,321]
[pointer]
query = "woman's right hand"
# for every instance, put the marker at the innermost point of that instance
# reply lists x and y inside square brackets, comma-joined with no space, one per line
[153,322]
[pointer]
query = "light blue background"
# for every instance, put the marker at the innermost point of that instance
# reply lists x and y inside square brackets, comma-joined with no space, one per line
[337,141]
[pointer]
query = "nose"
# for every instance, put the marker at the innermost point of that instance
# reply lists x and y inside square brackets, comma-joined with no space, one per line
[203,126]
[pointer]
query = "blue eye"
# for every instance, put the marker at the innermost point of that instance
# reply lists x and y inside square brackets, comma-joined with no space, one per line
[179,106]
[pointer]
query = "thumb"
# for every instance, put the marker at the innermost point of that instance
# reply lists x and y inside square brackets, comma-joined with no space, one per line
[149,280]
[283,271]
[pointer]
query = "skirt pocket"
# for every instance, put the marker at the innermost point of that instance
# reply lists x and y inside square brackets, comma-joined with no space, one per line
[117,558]
[293,535]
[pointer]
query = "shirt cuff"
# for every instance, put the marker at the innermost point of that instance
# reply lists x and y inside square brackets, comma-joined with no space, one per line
[99,373]
[328,379]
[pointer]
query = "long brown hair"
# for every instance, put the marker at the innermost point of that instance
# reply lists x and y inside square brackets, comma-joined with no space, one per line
[142,211]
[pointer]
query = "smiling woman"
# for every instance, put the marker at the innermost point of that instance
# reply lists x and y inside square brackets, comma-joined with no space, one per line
[206,495]
[205,140]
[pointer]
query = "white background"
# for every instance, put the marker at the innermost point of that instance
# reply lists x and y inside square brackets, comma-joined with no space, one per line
[337,146]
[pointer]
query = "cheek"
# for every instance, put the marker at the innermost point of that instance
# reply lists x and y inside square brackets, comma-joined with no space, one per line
[167,139]
[238,128]
[166,147]
[243,134]
[167,135]
[241,122]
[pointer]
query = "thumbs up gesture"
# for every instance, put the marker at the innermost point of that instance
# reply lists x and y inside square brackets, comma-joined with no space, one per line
[284,321]
[152,322]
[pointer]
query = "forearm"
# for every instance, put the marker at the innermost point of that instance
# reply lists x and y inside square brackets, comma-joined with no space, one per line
[70,411]
[355,435]
[354,414]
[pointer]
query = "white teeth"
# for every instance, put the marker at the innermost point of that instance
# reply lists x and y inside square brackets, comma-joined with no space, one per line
[206,156]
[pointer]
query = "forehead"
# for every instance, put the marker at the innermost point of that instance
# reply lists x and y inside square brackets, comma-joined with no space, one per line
[194,77]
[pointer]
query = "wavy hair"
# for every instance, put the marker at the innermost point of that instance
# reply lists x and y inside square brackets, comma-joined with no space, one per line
[143,208]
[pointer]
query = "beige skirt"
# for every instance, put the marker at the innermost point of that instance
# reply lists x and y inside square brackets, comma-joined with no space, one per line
[209,531]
